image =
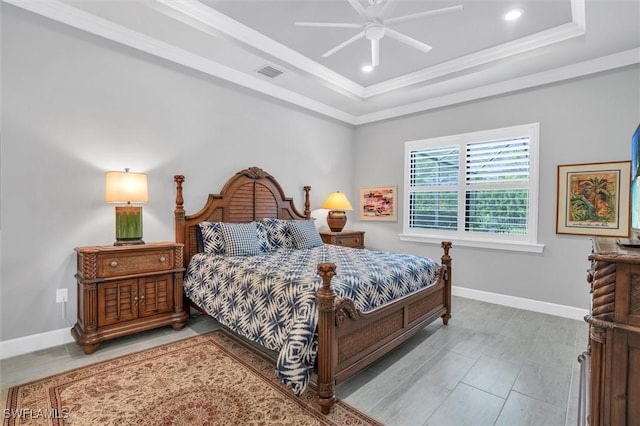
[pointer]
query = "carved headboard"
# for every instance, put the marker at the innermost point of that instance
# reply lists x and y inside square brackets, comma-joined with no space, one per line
[251,194]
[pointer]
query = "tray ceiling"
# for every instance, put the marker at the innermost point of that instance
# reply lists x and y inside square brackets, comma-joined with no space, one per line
[475,52]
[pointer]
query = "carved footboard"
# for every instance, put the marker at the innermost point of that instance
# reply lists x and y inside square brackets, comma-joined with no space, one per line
[349,340]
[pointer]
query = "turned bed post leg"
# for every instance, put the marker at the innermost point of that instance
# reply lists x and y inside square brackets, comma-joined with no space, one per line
[326,337]
[446,261]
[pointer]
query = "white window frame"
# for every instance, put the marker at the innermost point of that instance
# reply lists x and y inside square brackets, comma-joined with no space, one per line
[460,237]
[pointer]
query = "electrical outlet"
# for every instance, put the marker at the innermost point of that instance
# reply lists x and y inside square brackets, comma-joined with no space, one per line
[61,295]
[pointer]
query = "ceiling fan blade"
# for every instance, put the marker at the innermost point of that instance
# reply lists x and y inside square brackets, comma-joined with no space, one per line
[328,24]
[358,7]
[407,40]
[385,7]
[413,16]
[375,53]
[343,44]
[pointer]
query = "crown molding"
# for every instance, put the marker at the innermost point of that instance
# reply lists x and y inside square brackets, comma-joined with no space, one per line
[575,28]
[202,13]
[605,63]
[206,15]
[515,47]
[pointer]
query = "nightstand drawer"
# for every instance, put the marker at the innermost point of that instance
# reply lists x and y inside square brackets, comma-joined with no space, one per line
[114,265]
[349,240]
[353,239]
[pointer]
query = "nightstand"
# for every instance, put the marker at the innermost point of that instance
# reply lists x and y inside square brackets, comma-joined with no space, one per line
[354,239]
[127,289]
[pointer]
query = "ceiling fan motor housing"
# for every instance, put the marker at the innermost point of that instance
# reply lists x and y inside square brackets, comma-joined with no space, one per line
[374,30]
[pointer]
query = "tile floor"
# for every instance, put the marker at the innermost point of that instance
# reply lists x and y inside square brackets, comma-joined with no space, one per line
[492,365]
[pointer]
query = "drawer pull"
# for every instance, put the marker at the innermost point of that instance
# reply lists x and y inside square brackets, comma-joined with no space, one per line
[163,259]
[114,264]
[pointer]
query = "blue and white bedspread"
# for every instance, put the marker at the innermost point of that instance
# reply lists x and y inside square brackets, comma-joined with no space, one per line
[271,298]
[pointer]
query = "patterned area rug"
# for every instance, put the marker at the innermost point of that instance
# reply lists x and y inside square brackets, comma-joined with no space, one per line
[211,379]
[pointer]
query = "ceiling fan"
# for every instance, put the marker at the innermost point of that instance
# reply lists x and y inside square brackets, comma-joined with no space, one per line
[375,27]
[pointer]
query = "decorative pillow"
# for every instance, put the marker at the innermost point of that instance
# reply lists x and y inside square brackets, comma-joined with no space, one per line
[279,233]
[263,237]
[241,239]
[212,239]
[305,234]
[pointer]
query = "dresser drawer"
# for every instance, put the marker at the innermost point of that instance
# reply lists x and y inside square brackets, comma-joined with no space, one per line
[118,264]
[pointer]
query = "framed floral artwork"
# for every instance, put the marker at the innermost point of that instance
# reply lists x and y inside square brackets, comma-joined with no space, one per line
[379,203]
[593,199]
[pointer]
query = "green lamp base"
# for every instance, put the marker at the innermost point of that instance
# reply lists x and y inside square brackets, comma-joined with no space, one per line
[128,225]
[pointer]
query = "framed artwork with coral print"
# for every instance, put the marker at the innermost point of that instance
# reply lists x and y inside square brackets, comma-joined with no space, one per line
[379,203]
[593,199]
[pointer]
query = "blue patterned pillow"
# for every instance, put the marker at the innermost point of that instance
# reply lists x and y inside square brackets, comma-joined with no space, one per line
[279,233]
[212,239]
[305,234]
[263,237]
[241,239]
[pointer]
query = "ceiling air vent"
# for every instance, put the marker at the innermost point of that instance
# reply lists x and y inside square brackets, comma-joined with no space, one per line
[270,71]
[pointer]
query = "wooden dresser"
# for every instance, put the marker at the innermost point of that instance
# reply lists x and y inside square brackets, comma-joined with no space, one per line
[354,239]
[127,289]
[613,385]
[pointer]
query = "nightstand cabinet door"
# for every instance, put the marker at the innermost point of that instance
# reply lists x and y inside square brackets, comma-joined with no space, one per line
[127,289]
[117,301]
[156,295]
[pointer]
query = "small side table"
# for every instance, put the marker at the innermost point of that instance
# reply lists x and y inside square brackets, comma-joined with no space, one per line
[353,239]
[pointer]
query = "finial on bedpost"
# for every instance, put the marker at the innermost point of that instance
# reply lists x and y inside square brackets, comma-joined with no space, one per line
[179,222]
[446,246]
[178,179]
[326,338]
[307,203]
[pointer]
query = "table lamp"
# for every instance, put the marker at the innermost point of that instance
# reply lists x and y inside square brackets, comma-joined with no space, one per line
[126,187]
[337,203]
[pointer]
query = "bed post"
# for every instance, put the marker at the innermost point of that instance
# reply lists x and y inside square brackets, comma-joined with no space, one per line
[307,203]
[446,261]
[326,338]
[179,211]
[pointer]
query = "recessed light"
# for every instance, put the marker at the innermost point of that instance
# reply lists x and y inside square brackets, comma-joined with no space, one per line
[367,68]
[513,14]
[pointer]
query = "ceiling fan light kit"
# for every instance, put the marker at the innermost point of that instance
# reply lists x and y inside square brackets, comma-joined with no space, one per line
[375,27]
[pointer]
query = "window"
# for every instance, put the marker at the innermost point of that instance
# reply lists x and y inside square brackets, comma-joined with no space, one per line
[478,189]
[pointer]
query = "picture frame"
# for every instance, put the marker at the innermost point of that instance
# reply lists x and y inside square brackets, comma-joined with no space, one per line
[593,199]
[379,203]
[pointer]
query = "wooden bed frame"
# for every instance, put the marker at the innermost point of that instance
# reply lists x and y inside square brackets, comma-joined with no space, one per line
[348,340]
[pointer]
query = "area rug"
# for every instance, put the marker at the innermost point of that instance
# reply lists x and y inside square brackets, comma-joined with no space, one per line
[210,379]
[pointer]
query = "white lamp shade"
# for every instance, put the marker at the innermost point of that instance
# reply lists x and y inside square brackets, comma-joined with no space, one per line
[126,187]
[337,201]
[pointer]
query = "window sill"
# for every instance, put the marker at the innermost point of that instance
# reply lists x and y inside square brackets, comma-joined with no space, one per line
[520,246]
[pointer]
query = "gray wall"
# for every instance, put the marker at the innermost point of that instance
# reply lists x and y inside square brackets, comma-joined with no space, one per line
[581,121]
[75,105]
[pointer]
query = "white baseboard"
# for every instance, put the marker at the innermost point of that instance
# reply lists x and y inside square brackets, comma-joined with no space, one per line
[521,303]
[35,342]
